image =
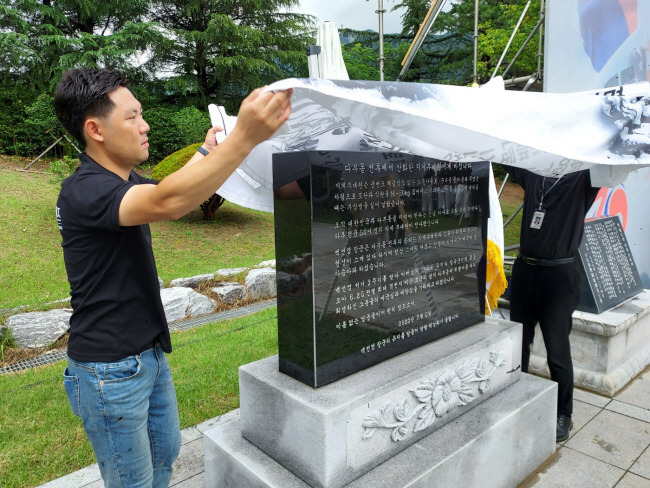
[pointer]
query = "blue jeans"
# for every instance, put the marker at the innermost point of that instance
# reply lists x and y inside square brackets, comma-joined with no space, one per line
[130,416]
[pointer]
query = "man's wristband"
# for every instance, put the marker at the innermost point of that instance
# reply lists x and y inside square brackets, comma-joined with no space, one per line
[203,150]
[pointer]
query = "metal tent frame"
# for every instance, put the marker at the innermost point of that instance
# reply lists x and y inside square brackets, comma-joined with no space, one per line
[528,81]
[432,14]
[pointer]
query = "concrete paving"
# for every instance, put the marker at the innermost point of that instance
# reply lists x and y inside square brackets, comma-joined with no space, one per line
[609,447]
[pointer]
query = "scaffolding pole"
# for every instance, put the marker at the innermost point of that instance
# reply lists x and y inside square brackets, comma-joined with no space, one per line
[523,46]
[475,77]
[422,33]
[523,14]
[380,11]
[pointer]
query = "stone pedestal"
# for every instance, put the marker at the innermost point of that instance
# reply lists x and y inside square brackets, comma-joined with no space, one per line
[608,349]
[451,410]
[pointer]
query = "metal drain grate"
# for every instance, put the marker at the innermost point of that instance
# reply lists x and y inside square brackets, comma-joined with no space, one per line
[53,357]
[43,360]
[228,314]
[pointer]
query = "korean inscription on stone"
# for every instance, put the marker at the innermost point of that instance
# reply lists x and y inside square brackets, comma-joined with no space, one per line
[609,274]
[395,247]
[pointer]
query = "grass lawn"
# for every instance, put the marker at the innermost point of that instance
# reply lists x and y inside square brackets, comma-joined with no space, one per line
[33,272]
[511,233]
[31,260]
[40,438]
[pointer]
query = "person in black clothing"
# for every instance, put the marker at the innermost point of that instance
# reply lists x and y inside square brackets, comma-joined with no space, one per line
[117,378]
[545,285]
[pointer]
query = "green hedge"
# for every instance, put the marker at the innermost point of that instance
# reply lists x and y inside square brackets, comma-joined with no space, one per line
[29,125]
[177,160]
[172,128]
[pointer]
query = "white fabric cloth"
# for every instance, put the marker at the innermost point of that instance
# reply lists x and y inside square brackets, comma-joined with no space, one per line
[241,188]
[330,59]
[548,133]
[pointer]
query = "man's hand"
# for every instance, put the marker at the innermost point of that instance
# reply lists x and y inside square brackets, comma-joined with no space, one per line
[211,138]
[210,143]
[260,115]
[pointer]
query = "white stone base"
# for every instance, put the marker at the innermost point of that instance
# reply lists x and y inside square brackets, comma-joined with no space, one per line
[334,434]
[608,349]
[497,444]
[430,397]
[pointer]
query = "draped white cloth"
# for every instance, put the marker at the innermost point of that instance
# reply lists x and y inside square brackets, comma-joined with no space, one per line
[550,134]
[330,59]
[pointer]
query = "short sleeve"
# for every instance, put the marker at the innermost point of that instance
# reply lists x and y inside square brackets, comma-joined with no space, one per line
[142,180]
[92,201]
[517,174]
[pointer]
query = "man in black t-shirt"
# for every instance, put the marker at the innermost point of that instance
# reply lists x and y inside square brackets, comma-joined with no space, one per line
[545,285]
[118,379]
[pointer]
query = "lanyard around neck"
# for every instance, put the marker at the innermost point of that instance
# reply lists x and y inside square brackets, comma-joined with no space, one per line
[544,193]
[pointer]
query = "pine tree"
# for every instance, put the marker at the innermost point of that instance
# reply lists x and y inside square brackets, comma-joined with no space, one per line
[40,40]
[219,50]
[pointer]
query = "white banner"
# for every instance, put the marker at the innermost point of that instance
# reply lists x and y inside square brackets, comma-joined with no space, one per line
[550,134]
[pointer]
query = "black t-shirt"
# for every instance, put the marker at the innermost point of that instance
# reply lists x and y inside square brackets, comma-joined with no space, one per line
[117,310]
[566,200]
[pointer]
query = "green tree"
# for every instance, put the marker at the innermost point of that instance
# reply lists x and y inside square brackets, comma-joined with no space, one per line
[426,64]
[447,54]
[219,50]
[40,40]
[361,61]
[413,16]
[361,58]
[495,38]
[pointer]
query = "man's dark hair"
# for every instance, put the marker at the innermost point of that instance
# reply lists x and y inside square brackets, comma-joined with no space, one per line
[83,93]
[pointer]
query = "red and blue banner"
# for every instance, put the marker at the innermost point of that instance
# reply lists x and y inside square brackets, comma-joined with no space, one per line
[596,44]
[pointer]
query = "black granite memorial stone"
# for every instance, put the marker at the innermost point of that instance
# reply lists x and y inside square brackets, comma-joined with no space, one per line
[608,274]
[377,254]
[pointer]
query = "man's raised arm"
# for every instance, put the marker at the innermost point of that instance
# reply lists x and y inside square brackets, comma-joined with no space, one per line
[261,114]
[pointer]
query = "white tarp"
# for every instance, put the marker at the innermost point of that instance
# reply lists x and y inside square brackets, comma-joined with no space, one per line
[330,59]
[550,134]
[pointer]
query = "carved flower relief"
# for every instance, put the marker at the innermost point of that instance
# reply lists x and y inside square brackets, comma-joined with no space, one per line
[451,389]
[403,413]
[375,420]
[439,397]
[483,372]
[382,418]
[498,358]
[447,393]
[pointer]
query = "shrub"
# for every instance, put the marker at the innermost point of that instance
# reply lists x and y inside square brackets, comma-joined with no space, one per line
[192,124]
[164,136]
[174,162]
[40,128]
[29,125]
[13,99]
[62,168]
